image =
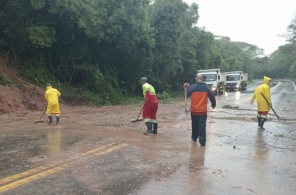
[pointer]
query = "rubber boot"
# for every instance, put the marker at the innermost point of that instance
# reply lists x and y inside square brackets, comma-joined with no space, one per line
[262,121]
[155,125]
[50,119]
[149,128]
[259,120]
[57,120]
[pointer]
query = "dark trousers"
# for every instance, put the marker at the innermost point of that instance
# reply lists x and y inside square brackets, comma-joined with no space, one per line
[199,128]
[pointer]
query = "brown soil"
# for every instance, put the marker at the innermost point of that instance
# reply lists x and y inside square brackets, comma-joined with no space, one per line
[21,98]
[19,95]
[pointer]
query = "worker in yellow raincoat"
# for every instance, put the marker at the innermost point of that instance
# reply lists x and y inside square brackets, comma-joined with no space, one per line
[263,106]
[53,108]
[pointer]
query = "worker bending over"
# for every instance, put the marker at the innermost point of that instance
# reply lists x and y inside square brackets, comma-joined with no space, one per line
[150,106]
[53,108]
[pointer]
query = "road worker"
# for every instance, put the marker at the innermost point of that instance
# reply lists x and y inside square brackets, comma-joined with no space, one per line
[263,105]
[200,93]
[53,108]
[150,107]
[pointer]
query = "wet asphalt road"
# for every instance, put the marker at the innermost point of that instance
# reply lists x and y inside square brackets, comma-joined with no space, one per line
[98,150]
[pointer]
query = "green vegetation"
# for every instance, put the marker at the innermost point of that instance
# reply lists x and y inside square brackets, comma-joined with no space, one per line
[96,51]
[282,62]
[4,81]
[163,96]
[229,106]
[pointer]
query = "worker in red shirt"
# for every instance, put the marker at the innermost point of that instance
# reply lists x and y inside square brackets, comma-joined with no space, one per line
[150,107]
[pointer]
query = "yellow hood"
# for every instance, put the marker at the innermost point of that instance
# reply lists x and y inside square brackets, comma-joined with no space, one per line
[266,80]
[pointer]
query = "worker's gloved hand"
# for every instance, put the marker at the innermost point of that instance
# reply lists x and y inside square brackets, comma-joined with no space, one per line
[270,104]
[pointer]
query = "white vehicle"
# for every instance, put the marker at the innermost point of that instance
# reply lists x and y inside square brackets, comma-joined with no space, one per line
[236,80]
[214,79]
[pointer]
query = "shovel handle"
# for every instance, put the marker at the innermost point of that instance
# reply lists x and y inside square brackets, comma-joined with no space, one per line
[185,95]
[140,112]
[42,114]
[270,106]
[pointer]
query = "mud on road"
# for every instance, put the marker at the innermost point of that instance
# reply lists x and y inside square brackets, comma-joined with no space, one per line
[99,151]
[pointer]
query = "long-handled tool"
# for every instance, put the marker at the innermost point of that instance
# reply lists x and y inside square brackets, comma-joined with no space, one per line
[183,114]
[40,120]
[185,94]
[138,119]
[270,106]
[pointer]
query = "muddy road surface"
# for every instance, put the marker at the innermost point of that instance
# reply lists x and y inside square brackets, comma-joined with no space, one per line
[99,151]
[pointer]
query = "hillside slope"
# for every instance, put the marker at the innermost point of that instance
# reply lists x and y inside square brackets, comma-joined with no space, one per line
[16,94]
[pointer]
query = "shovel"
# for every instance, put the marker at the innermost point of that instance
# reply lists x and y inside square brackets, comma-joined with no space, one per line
[138,119]
[183,114]
[185,94]
[270,106]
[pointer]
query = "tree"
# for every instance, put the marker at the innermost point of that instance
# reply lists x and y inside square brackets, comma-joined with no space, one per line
[282,62]
[291,37]
[167,17]
[79,41]
[104,47]
[239,55]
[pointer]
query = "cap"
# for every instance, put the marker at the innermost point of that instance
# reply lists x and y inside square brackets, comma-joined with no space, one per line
[48,84]
[143,79]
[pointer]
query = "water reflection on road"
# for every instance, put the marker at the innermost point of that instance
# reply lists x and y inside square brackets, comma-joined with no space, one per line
[196,170]
[53,142]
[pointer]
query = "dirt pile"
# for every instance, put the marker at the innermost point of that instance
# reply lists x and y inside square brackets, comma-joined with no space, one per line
[18,95]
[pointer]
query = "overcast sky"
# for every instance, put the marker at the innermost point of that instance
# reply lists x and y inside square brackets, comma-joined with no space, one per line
[258,22]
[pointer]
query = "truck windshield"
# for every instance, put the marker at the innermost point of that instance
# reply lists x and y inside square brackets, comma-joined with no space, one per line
[232,77]
[210,77]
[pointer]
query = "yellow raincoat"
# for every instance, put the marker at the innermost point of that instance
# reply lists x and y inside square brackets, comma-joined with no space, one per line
[52,98]
[264,88]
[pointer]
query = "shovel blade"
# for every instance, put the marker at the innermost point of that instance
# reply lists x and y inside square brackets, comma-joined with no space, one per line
[39,121]
[136,120]
[183,114]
